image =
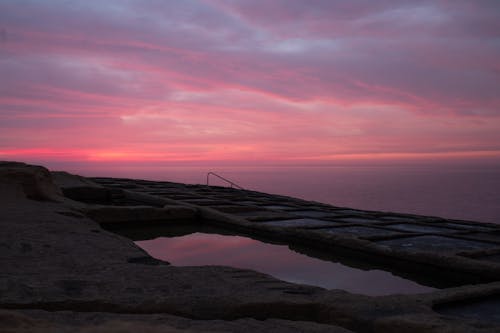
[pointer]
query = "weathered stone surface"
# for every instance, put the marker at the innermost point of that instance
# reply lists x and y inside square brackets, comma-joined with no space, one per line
[148,199]
[36,321]
[88,194]
[35,181]
[142,214]
[301,223]
[64,180]
[62,272]
[417,323]
[436,243]
[485,309]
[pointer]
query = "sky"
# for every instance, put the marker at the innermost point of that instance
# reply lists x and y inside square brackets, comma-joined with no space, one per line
[249,81]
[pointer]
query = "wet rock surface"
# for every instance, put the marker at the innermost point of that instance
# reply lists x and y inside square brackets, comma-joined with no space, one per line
[62,271]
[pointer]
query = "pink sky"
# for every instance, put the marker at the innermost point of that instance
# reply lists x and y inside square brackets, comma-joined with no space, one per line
[225,80]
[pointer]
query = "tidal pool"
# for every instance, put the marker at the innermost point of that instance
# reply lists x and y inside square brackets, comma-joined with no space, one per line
[200,249]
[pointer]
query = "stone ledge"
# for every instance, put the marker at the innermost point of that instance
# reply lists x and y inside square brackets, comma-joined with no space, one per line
[142,214]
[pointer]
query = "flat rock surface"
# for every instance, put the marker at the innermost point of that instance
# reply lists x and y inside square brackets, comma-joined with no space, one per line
[37,321]
[463,248]
[61,271]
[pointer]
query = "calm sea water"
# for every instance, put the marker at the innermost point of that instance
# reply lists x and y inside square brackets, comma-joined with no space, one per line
[461,192]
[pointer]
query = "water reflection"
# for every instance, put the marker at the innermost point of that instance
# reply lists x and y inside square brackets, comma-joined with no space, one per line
[199,248]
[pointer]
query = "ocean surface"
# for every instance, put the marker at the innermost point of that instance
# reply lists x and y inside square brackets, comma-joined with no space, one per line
[451,191]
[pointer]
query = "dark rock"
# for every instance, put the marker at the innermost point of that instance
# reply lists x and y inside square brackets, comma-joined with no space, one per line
[26,247]
[73,288]
[35,181]
[88,194]
[147,260]
[141,214]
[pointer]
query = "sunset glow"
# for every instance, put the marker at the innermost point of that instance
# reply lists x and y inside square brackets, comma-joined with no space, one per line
[287,81]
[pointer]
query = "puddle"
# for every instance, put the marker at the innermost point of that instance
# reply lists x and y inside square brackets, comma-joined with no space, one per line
[199,249]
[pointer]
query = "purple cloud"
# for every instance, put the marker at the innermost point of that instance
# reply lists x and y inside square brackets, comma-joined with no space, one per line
[219,70]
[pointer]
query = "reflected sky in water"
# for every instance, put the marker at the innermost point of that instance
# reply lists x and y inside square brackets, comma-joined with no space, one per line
[199,249]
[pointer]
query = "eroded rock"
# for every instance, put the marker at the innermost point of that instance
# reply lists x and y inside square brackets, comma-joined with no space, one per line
[142,214]
[36,181]
[36,321]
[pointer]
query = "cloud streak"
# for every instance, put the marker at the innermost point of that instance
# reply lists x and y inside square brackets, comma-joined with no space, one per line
[236,80]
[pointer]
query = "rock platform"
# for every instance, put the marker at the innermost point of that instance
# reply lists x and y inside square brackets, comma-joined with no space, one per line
[63,270]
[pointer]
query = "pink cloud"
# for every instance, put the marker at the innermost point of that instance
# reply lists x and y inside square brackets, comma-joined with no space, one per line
[235,80]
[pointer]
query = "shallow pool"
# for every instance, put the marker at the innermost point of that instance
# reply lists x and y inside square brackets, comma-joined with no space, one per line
[199,249]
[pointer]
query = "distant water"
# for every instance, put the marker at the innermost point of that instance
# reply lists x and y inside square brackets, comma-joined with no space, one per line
[461,192]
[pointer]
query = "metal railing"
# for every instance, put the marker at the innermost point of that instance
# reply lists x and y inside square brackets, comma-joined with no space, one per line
[224,179]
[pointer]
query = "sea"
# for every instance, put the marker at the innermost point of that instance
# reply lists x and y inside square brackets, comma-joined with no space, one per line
[467,192]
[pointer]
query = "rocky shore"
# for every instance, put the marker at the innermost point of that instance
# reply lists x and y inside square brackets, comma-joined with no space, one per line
[64,271]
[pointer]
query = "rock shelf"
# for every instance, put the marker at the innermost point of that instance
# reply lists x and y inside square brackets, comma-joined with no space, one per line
[63,270]
[466,249]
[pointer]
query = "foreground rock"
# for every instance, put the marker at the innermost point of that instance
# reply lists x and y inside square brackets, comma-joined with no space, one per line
[36,321]
[141,214]
[33,182]
[61,271]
